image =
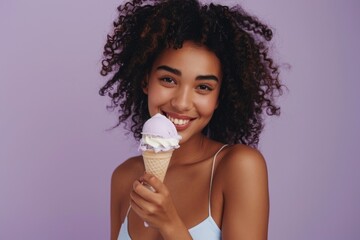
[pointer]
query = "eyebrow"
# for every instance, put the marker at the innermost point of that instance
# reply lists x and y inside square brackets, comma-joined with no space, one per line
[178,73]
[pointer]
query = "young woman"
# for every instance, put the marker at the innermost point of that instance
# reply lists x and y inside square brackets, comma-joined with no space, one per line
[206,68]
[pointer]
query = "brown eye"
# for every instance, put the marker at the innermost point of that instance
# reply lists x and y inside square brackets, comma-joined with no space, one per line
[167,80]
[204,87]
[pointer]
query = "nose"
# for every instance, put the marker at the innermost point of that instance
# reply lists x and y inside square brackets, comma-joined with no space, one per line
[182,100]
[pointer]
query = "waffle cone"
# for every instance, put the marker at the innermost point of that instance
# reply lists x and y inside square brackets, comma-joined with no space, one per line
[157,163]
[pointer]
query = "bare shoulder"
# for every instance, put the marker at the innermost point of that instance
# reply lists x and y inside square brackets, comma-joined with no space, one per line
[133,163]
[243,175]
[127,172]
[241,160]
[122,179]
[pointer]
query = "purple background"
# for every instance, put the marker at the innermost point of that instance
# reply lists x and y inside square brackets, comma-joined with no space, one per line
[56,157]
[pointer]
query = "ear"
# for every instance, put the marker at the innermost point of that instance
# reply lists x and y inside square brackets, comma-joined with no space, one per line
[145,84]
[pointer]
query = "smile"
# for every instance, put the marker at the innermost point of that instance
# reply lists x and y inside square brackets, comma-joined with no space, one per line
[177,121]
[181,122]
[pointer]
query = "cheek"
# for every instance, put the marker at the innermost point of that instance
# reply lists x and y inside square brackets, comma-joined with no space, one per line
[157,96]
[207,106]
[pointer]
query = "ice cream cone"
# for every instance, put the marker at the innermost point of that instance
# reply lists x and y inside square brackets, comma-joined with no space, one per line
[157,163]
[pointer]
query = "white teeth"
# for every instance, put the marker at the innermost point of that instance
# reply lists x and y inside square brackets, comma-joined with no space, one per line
[178,121]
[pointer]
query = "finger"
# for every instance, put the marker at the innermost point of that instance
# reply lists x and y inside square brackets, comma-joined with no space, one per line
[138,210]
[141,207]
[154,182]
[141,194]
[139,200]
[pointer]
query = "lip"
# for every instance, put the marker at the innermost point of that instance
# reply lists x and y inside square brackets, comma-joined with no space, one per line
[178,116]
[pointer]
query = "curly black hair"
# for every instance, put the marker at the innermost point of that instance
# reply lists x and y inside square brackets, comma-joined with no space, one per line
[145,28]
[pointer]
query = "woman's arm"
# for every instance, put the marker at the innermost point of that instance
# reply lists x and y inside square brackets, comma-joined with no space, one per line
[115,202]
[246,196]
[121,186]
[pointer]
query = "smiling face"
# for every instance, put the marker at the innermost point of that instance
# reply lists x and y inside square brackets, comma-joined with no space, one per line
[184,85]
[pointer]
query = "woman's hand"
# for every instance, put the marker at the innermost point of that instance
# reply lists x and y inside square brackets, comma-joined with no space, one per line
[156,207]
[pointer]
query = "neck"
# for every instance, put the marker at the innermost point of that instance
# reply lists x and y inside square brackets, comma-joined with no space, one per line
[191,151]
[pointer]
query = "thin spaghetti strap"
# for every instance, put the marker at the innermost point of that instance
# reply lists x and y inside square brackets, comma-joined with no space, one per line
[212,175]
[127,213]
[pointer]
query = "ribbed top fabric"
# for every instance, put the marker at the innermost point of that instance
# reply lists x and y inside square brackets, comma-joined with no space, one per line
[206,229]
